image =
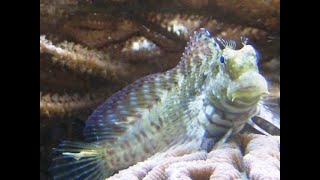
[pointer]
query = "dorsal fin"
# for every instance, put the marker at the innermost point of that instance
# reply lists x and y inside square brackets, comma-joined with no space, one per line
[121,110]
[201,53]
[199,50]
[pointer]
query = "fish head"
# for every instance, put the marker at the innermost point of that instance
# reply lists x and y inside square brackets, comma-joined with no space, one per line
[245,85]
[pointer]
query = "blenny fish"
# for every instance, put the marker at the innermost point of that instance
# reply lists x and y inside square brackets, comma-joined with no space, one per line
[211,92]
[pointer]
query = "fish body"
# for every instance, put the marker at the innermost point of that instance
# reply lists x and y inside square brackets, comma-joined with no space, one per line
[210,91]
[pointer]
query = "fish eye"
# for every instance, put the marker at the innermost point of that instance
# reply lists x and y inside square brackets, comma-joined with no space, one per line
[222,59]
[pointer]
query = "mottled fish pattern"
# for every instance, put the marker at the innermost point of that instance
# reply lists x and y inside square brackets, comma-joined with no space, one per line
[162,111]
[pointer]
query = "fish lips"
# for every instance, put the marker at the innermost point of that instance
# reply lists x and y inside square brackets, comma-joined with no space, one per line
[248,88]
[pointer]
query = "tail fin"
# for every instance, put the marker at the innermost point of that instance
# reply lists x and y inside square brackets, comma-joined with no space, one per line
[76,160]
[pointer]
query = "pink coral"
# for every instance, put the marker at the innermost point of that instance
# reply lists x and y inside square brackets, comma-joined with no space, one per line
[262,157]
[261,160]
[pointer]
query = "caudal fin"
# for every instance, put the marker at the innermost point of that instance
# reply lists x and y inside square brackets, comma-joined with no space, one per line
[76,160]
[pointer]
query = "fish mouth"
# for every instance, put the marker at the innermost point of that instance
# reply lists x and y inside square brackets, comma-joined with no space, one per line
[248,88]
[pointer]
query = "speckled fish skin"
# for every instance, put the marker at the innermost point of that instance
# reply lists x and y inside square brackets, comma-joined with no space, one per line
[156,112]
[204,92]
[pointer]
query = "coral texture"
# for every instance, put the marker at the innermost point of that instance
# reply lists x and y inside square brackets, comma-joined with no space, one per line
[262,156]
[261,160]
